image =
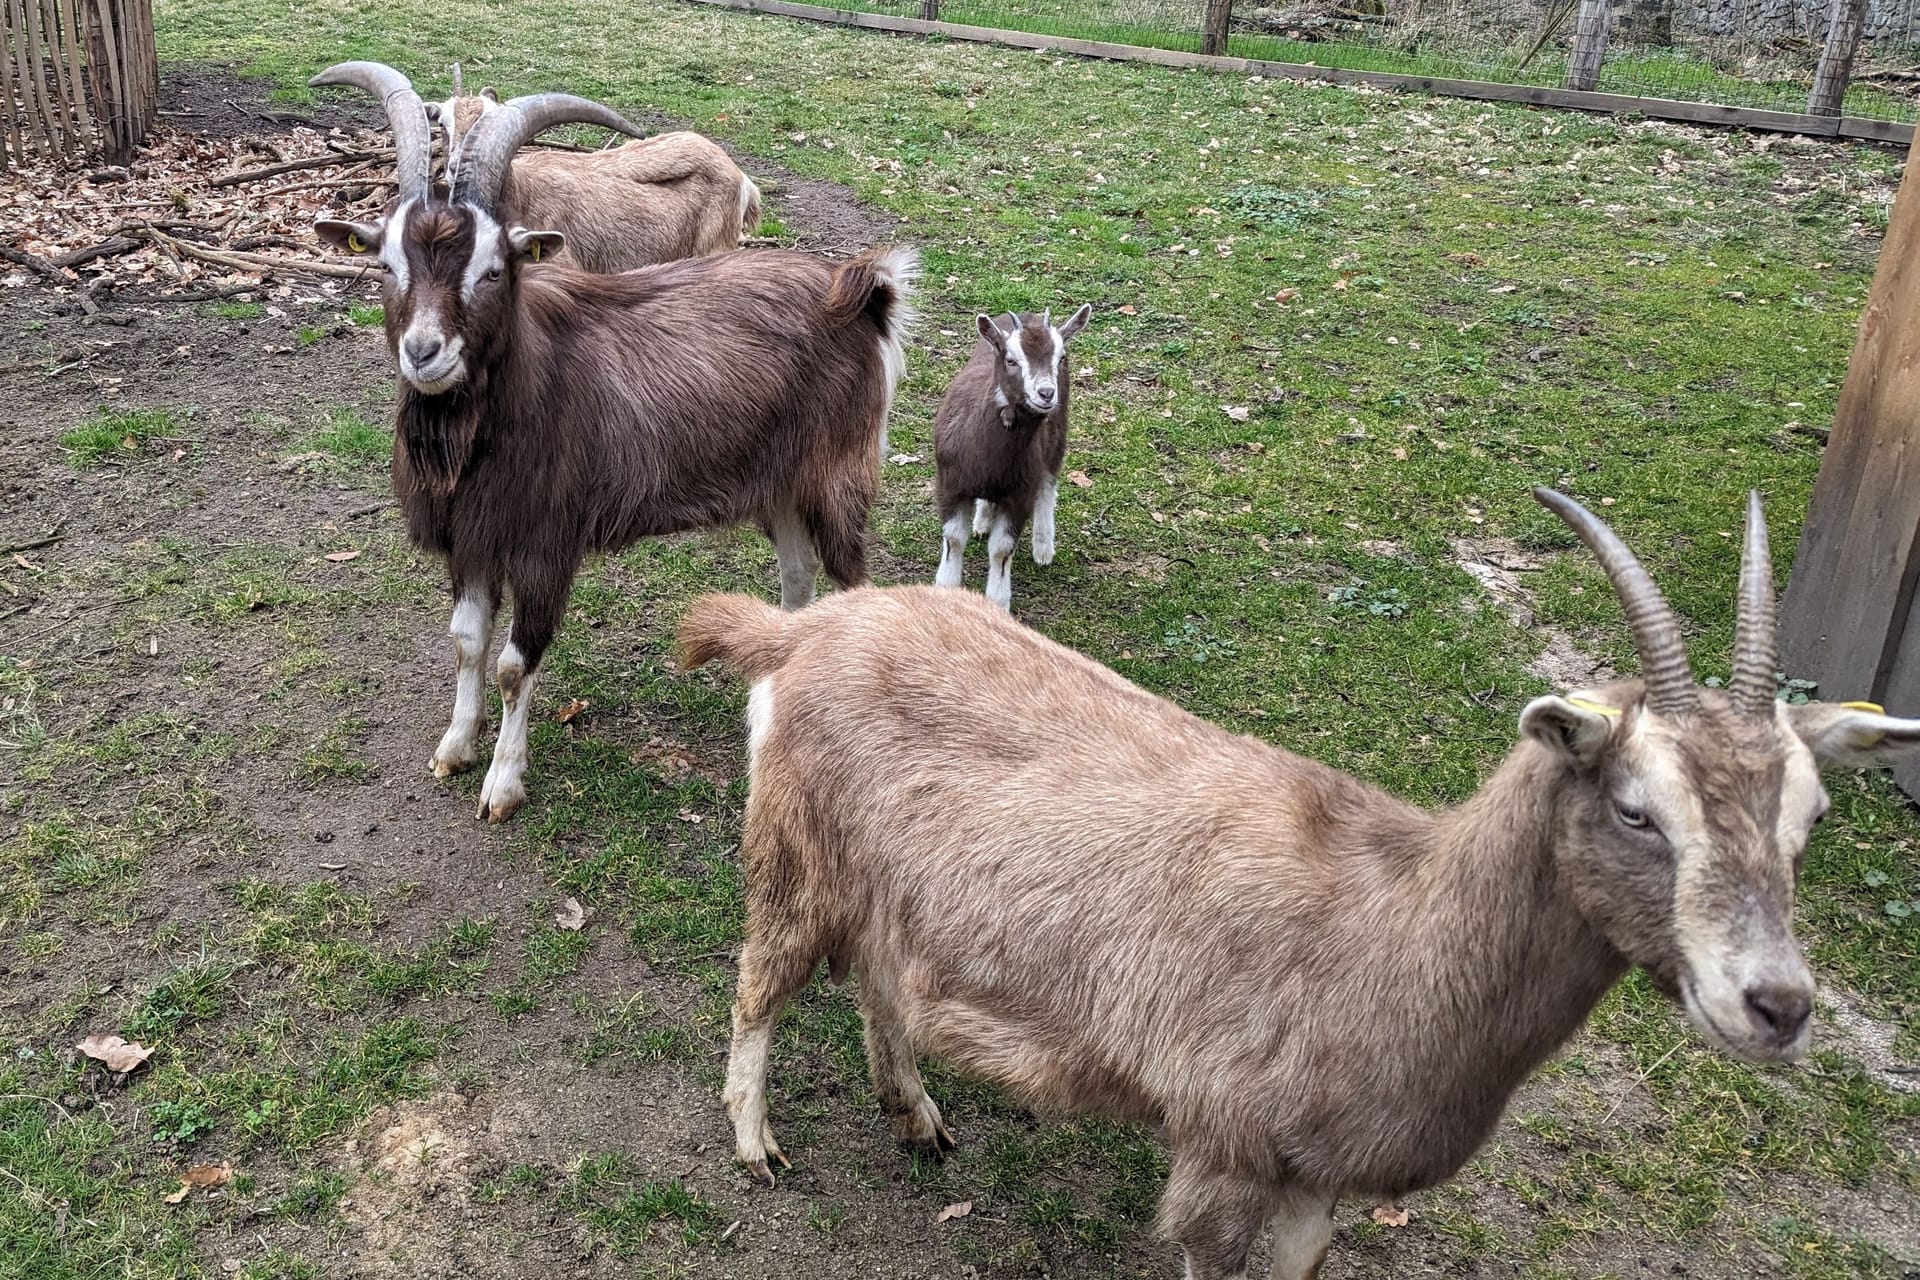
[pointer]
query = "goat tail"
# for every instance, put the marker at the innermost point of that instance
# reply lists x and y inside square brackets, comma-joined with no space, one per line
[746,634]
[749,207]
[879,285]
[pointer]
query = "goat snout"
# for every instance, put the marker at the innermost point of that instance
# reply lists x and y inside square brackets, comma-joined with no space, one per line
[1779,1010]
[423,348]
[1044,396]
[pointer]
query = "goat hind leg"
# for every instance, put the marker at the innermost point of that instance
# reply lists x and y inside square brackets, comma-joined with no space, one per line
[1302,1226]
[953,549]
[769,976]
[799,564]
[1215,1215]
[1000,544]
[536,616]
[1043,520]
[472,632]
[982,517]
[917,1124]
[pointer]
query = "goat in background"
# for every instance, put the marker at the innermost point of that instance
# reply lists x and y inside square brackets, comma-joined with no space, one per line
[1312,987]
[545,413]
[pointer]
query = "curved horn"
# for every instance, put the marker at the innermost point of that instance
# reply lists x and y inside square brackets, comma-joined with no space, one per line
[406,116]
[1046,318]
[456,79]
[488,147]
[1756,652]
[1656,632]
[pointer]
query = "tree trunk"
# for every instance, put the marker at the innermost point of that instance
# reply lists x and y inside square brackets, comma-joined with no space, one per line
[1846,19]
[1214,39]
[1590,44]
[1644,22]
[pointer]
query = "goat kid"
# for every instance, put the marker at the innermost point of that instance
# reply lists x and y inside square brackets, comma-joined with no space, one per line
[999,438]
[545,413]
[673,195]
[1313,988]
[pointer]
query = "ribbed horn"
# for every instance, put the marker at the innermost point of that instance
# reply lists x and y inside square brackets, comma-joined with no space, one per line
[488,147]
[1756,653]
[456,79]
[1046,318]
[406,117]
[1656,632]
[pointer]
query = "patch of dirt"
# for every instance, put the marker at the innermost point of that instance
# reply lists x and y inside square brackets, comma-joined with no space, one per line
[218,102]
[1870,1043]
[1496,564]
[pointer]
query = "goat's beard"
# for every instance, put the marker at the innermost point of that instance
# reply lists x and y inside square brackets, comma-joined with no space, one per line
[436,435]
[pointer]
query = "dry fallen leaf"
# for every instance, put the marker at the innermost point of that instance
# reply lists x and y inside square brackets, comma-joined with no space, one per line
[960,1210]
[118,1054]
[1389,1214]
[1400,455]
[201,1175]
[566,714]
[1080,479]
[572,916]
[1238,412]
[1129,310]
[1286,295]
[341,557]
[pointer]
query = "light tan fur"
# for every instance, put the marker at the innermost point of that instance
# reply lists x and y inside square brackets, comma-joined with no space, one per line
[674,195]
[1058,881]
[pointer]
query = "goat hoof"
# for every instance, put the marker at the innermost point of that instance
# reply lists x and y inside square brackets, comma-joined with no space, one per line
[446,767]
[758,1171]
[922,1130]
[1043,555]
[499,804]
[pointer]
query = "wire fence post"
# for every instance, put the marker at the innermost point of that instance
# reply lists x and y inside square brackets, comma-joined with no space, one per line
[1589,44]
[1213,39]
[1846,19]
[930,10]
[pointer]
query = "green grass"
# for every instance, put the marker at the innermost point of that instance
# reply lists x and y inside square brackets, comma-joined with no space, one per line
[112,435]
[367,315]
[1418,308]
[236,310]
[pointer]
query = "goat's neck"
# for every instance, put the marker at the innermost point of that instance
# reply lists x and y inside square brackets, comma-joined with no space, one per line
[1514,959]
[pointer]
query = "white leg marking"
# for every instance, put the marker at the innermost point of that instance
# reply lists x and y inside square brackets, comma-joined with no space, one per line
[953,550]
[1043,520]
[1302,1230]
[505,789]
[799,566]
[746,1097]
[1000,545]
[472,632]
[759,717]
[982,517]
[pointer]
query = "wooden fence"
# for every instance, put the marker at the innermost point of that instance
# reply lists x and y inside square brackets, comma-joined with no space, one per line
[1849,619]
[81,78]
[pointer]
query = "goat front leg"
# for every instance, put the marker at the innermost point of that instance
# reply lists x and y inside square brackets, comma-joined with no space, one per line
[1043,520]
[1000,544]
[1214,1214]
[536,616]
[1302,1231]
[799,562]
[953,548]
[472,632]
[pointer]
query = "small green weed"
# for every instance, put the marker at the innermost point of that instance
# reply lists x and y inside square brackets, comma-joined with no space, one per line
[236,310]
[367,315]
[111,435]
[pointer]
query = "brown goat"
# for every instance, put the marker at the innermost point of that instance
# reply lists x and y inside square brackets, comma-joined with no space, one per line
[546,413]
[998,440]
[1312,987]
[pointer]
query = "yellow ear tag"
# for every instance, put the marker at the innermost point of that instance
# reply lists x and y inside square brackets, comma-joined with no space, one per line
[1874,707]
[1588,704]
[533,250]
[355,243]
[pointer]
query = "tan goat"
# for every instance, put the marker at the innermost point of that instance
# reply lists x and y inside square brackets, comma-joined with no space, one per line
[1058,881]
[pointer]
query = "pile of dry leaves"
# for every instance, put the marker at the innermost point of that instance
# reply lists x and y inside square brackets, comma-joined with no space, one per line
[208,216]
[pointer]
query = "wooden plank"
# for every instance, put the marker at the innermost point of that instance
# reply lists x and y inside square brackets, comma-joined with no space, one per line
[1484,90]
[1851,592]
[50,34]
[104,42]
[15,146]
[69,21]
[26,61]
[141,56]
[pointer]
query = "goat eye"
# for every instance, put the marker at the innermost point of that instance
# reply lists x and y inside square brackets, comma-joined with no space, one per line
[494,274]
[1632,817]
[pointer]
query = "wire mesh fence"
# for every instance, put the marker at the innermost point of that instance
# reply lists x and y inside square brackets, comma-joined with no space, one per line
[1742,53]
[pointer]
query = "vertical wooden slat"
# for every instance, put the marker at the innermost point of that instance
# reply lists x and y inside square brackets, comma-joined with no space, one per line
[1849,599]
[70,37]
[25,50]
[16,151]
[105,44]
[150,62]
[50,35]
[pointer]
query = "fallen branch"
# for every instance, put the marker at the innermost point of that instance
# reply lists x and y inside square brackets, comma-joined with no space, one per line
[311,162]
[34,262]
[258,261]
[52,536]
[111,248]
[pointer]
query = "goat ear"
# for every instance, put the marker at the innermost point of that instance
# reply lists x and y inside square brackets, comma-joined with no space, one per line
[489,94]
[1576,726]
[536,246]
[1075,322]
[990,331]
[354,237]
[1852,733]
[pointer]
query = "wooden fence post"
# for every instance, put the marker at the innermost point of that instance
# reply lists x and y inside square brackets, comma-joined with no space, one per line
[75,76]
[930,10]
[1846,19]
[1589,44]
[1848,620]
[1213,39]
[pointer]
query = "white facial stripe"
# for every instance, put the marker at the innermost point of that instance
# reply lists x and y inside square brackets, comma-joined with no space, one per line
[393,246]
[486,254]
[1802,798]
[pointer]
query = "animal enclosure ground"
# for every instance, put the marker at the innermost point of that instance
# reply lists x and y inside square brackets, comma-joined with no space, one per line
[1337,335]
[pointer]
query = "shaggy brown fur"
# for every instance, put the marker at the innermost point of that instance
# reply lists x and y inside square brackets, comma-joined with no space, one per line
[1058,881]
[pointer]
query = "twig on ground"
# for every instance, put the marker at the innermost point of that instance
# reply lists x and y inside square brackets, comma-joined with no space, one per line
[311,162]
[1641,1079]
[258,261]
[51,536]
